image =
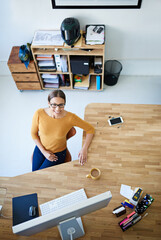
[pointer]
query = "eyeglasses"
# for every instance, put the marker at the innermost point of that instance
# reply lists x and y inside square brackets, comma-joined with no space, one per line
[54,105]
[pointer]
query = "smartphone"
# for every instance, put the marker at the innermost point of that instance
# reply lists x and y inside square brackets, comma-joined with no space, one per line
[100,30]
[114,121]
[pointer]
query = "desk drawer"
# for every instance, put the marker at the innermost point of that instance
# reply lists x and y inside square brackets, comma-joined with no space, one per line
[20,67]
[25,77]
[28,85]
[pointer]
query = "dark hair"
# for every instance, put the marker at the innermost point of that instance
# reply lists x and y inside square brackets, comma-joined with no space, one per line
[57,93]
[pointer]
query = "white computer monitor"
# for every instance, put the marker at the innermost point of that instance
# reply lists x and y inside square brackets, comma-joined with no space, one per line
[68,219]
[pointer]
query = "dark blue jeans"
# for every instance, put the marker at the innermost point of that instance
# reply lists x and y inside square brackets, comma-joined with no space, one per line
[40,162]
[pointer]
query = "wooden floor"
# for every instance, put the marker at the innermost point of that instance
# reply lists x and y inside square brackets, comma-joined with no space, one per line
[130,154]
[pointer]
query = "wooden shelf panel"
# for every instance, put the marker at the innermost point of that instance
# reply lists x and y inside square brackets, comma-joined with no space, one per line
[91,71]
[61,87]
[93,52]
[50,72]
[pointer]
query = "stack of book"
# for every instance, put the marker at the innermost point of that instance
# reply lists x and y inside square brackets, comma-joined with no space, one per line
[46,62]
[83,84]
[50,80]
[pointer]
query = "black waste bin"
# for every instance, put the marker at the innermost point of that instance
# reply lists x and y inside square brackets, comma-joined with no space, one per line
[112,72]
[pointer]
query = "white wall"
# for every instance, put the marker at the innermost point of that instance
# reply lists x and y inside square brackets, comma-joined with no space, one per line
[133,36]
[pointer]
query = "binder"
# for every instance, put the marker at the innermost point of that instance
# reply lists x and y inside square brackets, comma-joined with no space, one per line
[20,208]
[58,62]
[98,82]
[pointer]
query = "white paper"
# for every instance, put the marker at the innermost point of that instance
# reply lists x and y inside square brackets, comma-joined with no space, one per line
[94,37]
[126,191]
[48,38]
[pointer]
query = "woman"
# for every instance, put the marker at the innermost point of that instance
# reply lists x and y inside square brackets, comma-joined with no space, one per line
[49,130]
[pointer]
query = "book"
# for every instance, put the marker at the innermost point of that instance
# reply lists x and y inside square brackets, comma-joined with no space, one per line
[50,80]
[46,63]
[51,85]
[47,69]
[47,75]
[84,84]
[58,62]
[44,57]
[63,62]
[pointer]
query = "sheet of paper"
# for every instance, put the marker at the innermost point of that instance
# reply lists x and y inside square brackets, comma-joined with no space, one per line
[126,191]
[51,37]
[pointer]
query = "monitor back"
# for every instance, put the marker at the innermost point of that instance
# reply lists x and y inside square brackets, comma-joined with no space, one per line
[53,219]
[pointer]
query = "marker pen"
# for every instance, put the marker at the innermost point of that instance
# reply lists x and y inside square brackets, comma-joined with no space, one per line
[127,226]
[136,220]
[131,214]
[127,218]
[131,219]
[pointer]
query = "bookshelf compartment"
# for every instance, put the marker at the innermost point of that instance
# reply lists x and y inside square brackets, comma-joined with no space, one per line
[94,85]
[50,80]
[52,63]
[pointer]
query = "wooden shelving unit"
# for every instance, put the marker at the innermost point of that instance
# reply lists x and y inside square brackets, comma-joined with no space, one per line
[79,49]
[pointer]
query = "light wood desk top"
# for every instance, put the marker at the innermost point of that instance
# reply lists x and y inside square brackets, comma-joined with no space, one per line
[128,155]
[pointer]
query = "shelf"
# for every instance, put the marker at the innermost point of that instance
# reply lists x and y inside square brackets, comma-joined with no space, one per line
[79,49]
[51,72]
[91,71]
[62,88]
[94,52]
[93,83]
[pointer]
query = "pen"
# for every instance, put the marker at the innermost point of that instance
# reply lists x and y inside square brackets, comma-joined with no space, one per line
[139,218]
[131,214]
[127,226]
[136,220]
[130,219]
[132,222]
[127,218]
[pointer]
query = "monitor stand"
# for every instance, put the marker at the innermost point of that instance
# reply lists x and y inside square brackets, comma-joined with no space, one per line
[71,229]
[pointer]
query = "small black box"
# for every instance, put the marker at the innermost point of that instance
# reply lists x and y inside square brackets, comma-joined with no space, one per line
[79,64]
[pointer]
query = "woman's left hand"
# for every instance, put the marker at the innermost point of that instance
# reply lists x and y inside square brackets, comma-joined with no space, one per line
[82,156]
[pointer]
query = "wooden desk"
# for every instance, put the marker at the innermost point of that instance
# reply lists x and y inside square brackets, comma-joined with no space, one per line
[128,155]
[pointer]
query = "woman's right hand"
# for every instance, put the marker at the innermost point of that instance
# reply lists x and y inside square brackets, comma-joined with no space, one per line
[50,156]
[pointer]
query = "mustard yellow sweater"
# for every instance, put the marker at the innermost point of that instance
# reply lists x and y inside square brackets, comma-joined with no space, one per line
[52,132]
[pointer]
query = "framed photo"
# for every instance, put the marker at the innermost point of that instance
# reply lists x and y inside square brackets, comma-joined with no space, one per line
[70,4]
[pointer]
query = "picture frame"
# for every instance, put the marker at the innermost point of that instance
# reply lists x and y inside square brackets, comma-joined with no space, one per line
[100,4]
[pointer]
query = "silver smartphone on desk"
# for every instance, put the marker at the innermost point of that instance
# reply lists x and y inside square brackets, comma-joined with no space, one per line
[114,121]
